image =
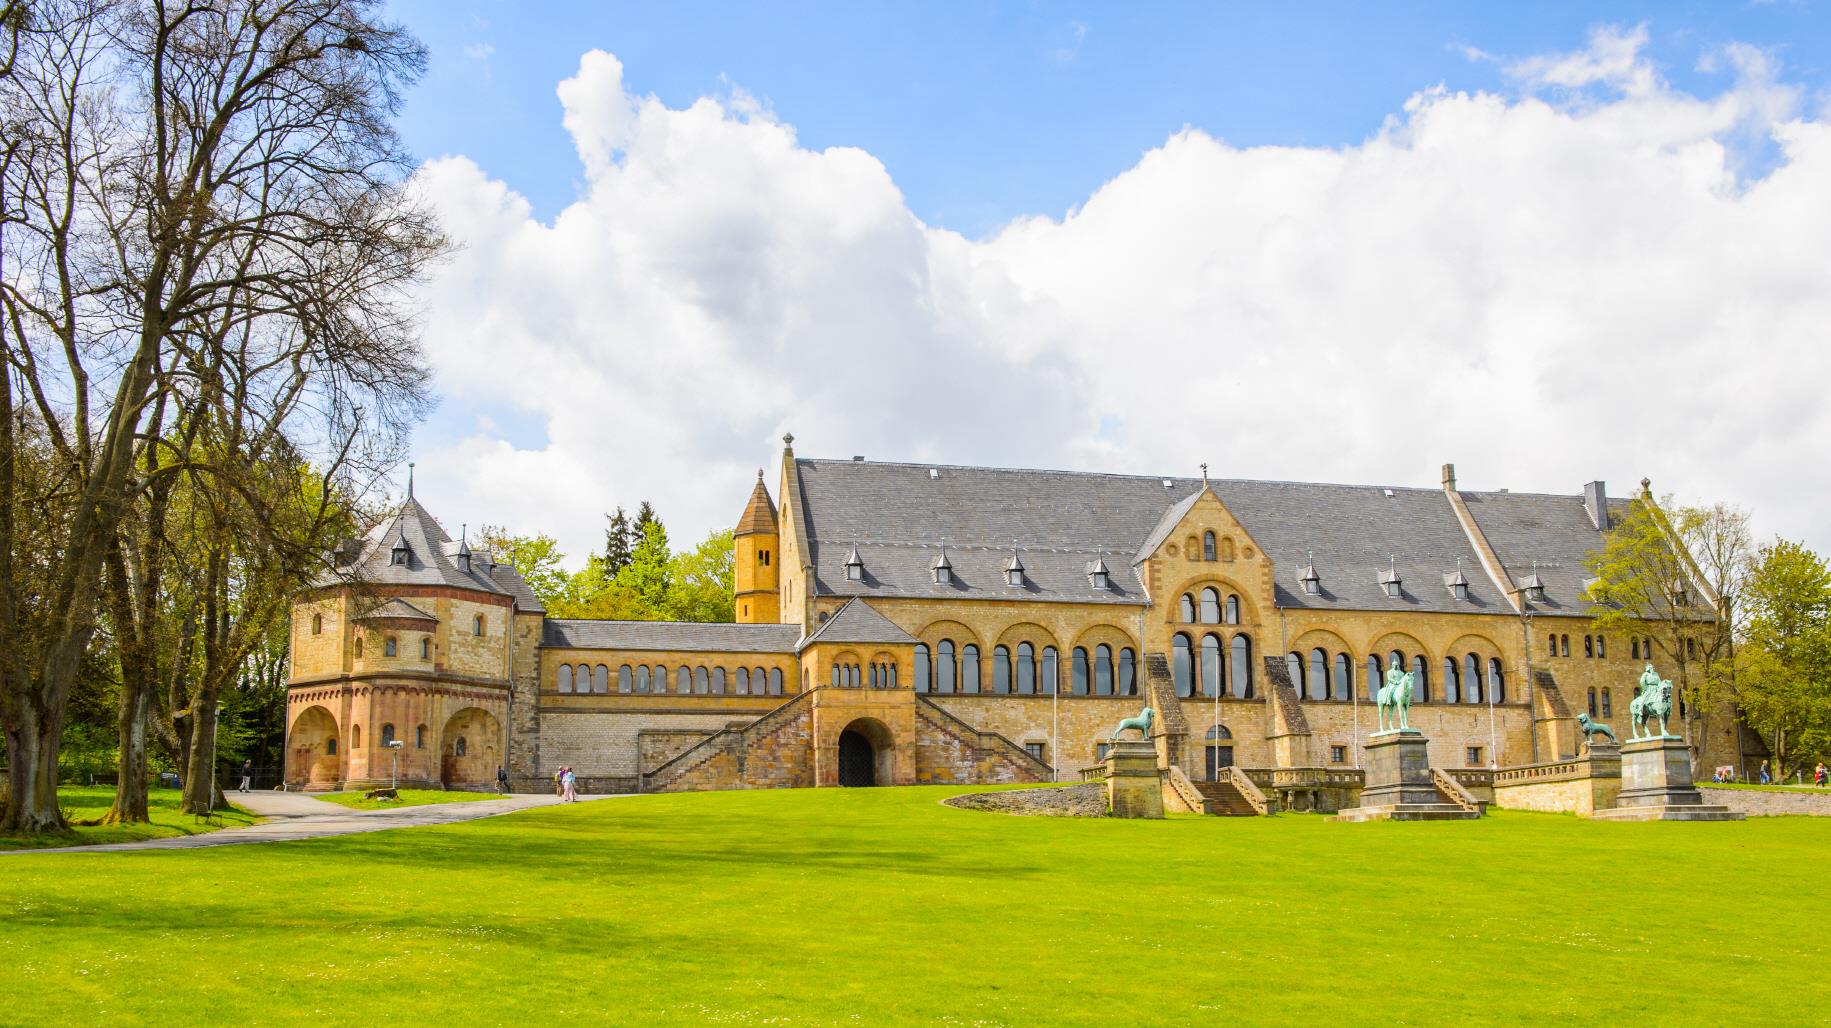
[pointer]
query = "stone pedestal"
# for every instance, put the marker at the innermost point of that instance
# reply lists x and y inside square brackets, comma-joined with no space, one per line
[1134,785]
[1400,786]
[1656,785]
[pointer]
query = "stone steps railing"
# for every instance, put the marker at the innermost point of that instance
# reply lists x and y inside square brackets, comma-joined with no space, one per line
[1243,785]
[721,741]
[1185,790]
[990,740]
[1453,791]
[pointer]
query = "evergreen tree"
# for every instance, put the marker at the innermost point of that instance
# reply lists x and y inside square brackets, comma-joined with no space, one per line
[619,542]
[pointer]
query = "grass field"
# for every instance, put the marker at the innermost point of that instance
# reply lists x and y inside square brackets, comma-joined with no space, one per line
[1758,787]
[90,802]
[408,798]
[881,906]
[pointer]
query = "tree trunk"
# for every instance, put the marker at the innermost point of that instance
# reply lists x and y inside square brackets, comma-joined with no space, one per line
[201,794]
[32,747]
[130,788]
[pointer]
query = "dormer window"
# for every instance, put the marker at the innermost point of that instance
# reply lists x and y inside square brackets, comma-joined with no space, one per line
[1312,582]
[943,570]
[1390,582]
[1680,597]
[1534,588]
[1014,571]
[399,556]
[855,566]
[1098,576]
[1457,583]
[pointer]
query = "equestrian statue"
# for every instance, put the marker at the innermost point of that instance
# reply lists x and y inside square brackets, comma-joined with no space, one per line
[1142,722]
[1591,729]
[1394,699]
[1654,700]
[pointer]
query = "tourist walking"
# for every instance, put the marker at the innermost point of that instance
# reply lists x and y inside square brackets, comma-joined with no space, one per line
[248,775]
[1766,779]
[502,780]
[559,782]
[568,786]
[1818,775]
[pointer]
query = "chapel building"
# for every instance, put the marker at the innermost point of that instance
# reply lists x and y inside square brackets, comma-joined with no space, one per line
[904,623]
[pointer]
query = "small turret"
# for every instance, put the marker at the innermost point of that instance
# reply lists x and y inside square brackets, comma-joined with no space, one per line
[755,546]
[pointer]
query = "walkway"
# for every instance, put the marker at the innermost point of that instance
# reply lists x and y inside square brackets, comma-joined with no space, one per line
[294,815]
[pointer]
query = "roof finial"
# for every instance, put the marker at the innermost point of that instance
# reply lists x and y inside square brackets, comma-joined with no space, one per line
[788,440]
[409,480]
[1204,472]
[1392,563]
[759,474]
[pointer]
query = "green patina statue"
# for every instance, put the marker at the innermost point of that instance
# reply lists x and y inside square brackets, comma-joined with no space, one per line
[1591,729]
[1142,722]
[1654,700]
[1394,699]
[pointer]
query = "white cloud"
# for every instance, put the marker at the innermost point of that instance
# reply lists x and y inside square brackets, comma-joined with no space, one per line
[480,51]
[1542,291]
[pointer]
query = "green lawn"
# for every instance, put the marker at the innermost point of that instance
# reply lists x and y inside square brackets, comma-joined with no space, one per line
[408,798]
[1758,787]
[882,906]
[90,802]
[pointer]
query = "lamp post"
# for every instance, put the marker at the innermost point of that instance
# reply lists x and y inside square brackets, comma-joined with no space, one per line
[394,763]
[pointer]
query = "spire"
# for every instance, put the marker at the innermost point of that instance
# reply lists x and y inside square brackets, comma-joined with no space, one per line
[409,480]
[1204,474]
[759,517]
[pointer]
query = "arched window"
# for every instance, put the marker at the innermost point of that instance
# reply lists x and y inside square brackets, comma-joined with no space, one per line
[969,668]
[1026,670]
[1077,682]
[1341,685]
[1128,672]
[419,737]
[1212,683]
[1608,703]
[659,680]
[1589,646]
[1452,681]
[425,649]
[702,681]
[317,624]
[718,679]
[1594,712]
[945,673]
[391,647]
[839,675]
[1208,550]
[600,679]
[564,683]
[1232,616]
[872,672]
[359,647]
[1226,549]
[1293,666]
[476,625]
[1420,680]
[1182,665]
[1186,610]
[1471,679]
[775,681]
[1601,648]
[1211,606]
[923,675]
[1319,674]
[641,679]
[1001,670]
[1103,670]
[1376,677]
[1551,645]
[1242,667]
[458,748]
[1564,644]
[626,680]
[743,682]
[387,734]
[683,680]
[330,746]
[1497,681]
[355,737]
[1634,646]
[1050,673]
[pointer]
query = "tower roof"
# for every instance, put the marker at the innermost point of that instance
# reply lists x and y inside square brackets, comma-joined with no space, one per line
[759,516]
[431,560]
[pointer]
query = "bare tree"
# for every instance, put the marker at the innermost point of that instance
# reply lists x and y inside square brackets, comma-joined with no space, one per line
[204,206]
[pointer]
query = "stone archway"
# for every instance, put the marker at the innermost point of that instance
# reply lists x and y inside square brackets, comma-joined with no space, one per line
[470,749]
[312,757]
[864,753]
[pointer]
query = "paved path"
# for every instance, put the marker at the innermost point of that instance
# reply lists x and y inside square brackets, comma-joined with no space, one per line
[293,815]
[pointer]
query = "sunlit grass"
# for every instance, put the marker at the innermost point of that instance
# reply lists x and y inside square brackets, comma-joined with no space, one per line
[882,906]
[90,802]
[408,798]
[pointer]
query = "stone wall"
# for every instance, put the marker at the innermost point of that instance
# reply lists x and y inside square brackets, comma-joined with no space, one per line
[949,752]
[774,752]
[1762,803]
[602,746]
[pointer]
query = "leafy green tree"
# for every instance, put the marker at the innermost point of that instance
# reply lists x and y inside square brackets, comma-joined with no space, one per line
[702,581]
[1785,673]
[536,558]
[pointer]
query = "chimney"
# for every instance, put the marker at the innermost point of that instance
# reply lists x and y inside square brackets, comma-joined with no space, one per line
[1595,500]
[1449,478]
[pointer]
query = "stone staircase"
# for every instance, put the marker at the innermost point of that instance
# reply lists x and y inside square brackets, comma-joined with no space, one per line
[1233,795]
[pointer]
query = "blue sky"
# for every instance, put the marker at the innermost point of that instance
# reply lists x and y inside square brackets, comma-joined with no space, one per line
[1546,242]
[984,112]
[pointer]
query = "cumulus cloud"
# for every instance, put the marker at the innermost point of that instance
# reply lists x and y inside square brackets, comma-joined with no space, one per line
[1543,288]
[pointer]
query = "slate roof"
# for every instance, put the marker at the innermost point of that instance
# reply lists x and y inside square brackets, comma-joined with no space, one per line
[395,608]
[900,517]
[759,513]
[688,636]
[857,622]
[431,560]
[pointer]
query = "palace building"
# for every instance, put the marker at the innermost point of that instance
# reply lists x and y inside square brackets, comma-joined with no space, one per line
[923,623]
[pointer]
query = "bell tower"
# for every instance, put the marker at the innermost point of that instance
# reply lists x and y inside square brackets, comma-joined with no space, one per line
[754,551]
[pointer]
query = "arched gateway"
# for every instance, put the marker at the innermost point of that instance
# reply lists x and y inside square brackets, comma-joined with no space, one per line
[471,749]
[864,753]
